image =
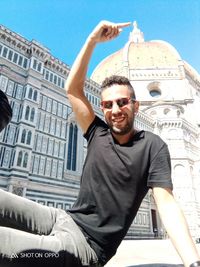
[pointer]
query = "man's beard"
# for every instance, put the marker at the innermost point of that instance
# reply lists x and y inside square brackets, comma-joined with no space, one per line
[128,127]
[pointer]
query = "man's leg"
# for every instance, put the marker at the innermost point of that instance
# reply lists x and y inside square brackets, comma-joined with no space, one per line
[36,235]
[23,214]
[20,249]
[65,246]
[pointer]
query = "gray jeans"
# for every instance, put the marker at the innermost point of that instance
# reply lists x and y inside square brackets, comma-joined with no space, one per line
[35,235]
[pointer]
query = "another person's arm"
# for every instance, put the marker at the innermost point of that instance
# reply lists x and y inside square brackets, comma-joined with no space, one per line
[74,85]
[175,225]
[5,111]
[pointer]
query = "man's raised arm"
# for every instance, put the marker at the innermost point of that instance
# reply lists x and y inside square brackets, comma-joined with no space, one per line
[74,85]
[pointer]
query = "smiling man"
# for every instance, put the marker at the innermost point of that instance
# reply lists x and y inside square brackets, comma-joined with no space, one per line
[122,164]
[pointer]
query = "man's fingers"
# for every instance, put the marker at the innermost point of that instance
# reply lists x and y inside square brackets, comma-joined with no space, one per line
[124,24]
[107,30]
[115,28]
[112,32]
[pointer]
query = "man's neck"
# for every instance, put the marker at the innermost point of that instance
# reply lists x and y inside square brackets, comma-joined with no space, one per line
[124,138]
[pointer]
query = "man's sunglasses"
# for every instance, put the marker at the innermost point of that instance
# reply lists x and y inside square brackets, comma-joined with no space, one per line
[121,102]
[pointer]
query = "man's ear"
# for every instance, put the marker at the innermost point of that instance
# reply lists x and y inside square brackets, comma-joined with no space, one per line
[136,106]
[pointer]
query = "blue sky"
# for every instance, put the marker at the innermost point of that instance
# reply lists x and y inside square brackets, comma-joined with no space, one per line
[63,25]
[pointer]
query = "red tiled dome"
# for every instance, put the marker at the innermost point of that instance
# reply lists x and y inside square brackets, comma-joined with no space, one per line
[137,55]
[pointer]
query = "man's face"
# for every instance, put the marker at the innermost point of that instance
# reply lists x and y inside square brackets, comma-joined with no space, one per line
[119,109]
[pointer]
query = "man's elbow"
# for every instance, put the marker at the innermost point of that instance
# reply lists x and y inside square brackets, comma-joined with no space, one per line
[67,87]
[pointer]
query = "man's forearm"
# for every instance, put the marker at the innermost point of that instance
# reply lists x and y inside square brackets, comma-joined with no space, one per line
[103,32]
[76,79]
[178,231]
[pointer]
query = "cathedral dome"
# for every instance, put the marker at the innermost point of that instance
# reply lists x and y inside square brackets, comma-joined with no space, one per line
[138,54]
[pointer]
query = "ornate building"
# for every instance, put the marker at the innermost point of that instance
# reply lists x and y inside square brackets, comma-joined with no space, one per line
[42,150]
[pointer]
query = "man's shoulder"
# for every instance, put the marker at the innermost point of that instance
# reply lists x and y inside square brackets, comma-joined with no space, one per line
[98,123]
[152,137]
[96,127]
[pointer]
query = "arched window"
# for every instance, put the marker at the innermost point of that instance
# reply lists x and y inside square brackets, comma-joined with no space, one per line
[72,147]
[28,141]
[32,114]
[153,113]
[19,160]
[27,113]
[155,92]
[23,136]
[166,111]
[154,89]
[30,93]
[34,64]
[39,67]
[25,161]
[35,96]
[180,178]
[69,155]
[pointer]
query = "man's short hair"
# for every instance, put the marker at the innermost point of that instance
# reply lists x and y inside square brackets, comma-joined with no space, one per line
[120,80]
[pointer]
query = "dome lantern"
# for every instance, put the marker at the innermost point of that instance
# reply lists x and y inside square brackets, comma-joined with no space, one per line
[136,36]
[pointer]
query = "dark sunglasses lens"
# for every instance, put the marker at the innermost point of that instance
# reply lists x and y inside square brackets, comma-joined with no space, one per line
[107,104]
[122,102]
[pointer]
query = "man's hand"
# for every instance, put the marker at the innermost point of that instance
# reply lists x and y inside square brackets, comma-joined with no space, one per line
[106,31]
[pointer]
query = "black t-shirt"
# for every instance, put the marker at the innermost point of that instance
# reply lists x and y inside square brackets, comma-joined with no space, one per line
[5,111]
[114,181]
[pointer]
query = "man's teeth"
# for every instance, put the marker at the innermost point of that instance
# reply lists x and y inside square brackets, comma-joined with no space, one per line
[118,119]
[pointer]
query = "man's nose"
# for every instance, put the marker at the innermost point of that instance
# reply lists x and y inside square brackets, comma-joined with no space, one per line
[115,108]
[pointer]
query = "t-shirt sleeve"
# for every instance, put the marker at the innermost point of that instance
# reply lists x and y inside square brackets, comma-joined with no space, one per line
[97,125]
[5,111]
[160,169]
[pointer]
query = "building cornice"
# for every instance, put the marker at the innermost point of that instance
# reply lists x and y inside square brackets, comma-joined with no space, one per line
[178,123]
[177,103]
[192,74]
[32,49]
